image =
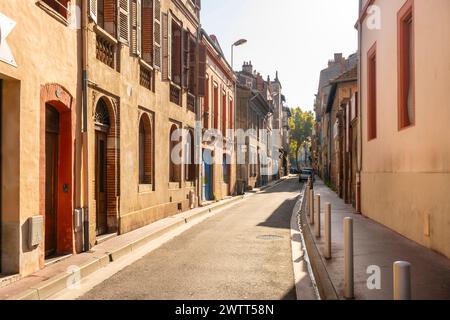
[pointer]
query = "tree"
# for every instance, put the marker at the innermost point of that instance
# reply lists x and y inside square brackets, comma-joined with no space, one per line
[301,125]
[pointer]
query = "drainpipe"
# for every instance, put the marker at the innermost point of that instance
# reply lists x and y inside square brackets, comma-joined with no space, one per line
[84,129]
[198,116]
[360,137]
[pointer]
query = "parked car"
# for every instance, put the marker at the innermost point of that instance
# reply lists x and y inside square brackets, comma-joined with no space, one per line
[305,174]
[294,171]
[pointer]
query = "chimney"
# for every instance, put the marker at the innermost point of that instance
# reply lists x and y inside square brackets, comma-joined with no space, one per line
[247,67]
[259,83]
[337,57]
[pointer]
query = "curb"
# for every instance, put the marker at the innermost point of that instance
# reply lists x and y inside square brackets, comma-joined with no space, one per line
[327,291]
[59,282]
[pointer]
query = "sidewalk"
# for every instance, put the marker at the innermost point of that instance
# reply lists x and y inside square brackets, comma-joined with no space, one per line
[53,278]
[376,245]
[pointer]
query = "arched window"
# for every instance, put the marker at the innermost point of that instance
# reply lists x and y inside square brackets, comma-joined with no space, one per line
[175,159]
[190,156]
[145,151]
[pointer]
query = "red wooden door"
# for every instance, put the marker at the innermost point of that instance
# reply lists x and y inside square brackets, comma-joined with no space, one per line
[100,178]
[51,179]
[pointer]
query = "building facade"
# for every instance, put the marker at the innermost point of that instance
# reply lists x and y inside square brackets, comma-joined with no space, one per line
[40,100]
[218,174]
[404,77]
[259,154]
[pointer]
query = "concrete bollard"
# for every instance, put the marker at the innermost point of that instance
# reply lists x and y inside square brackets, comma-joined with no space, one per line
[402,280]
[348,259]
[327,247]
[317,218]
[311,207]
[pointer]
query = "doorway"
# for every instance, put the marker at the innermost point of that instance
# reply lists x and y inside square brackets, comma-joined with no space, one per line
[100,178]
[207,176]
[52,134]
[103,180]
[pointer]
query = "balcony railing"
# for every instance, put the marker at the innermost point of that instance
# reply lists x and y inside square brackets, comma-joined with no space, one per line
[146,76]
[106,48]
[191,102]
[175,94]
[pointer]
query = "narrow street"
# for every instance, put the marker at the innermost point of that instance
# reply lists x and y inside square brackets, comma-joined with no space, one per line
[243,252]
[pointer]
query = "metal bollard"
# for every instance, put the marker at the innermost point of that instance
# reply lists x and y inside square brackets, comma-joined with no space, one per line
[327,247]
[311,207]
[348,259]
[402,280]
[317,218]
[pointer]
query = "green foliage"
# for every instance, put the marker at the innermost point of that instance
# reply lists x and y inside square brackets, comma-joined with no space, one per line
[301,125]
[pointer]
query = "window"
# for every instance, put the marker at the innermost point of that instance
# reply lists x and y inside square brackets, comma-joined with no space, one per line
[176,53]
[216,107]
[60,6]
[224,115]
[231,120]
[190,156]
[145,150]
[206,105]
[174,159]
[225,169]
[406,66]
[106,15]
[372,93]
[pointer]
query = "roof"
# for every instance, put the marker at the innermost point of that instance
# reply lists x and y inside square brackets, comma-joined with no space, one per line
[350,75]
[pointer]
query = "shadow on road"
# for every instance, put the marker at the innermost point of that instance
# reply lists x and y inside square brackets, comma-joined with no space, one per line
[281,217]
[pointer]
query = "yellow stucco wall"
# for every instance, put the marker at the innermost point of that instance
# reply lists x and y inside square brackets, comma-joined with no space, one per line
[46,52]
[137,209]
[406,174]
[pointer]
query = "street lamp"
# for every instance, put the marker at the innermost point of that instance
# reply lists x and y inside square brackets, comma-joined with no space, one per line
[236,44]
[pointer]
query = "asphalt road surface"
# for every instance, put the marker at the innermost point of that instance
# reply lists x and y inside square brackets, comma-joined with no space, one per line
[243,252]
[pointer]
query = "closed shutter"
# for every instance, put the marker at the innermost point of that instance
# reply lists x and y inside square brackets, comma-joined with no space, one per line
[139,27]
[109,16]
[157,34]
[185,66]
[176,52]
[192,64]
[147,31]
[202,69]
[133,42]
[124,22]
[93,6]
[166,47]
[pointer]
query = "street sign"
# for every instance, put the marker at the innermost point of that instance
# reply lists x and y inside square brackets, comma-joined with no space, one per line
[6,26]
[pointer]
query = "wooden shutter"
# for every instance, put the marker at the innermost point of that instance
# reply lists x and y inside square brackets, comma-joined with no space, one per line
[133,18]
[185,66]
[110,14]
[139,27]
[124,22]
[202,69]
[166,47]
[192,64]
[157,33]
[93,7]
[147,31]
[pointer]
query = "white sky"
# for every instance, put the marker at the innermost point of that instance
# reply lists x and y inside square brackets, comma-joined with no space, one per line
[295,37]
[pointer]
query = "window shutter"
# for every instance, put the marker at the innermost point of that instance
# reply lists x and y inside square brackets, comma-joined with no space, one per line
[157,33]
[166,47]
[192,64]
[133,42]
[139,27]
[124,22]
[202,70]
[93,6]
[147,31]
[110,14]
[185,66]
